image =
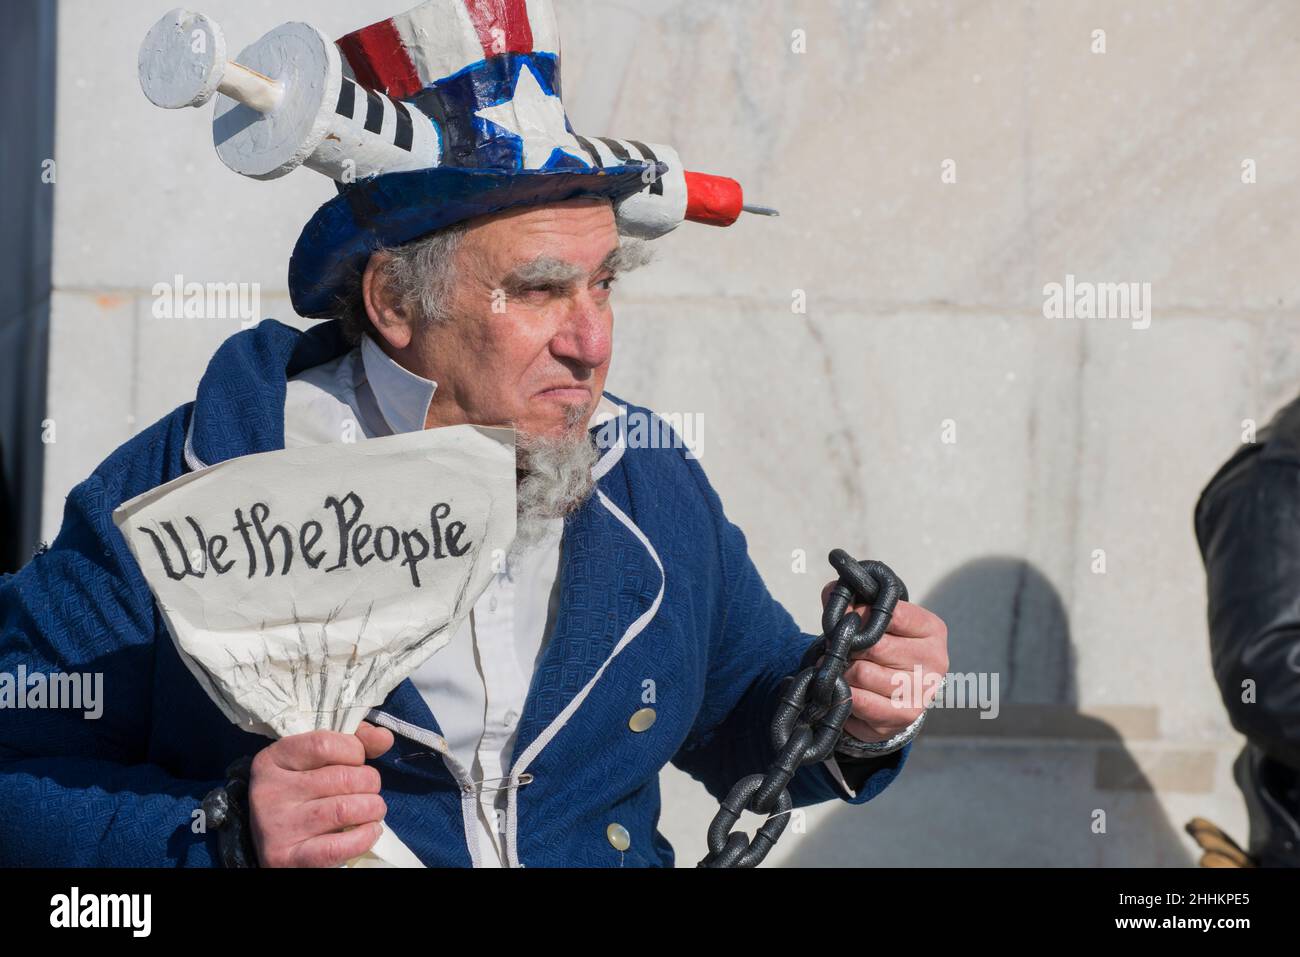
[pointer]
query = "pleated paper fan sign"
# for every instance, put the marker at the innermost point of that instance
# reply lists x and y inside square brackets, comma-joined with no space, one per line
[301,587]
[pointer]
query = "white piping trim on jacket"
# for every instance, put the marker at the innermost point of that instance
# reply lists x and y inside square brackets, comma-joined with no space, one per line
[560,720]
[615,451]
[192,461]
[468,793]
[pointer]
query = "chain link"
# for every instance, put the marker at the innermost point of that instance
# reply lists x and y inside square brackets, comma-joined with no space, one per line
[814,703]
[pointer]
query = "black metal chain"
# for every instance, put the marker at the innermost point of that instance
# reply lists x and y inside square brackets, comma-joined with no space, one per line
[814,704]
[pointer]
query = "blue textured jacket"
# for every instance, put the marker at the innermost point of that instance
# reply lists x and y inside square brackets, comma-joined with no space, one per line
[657,587]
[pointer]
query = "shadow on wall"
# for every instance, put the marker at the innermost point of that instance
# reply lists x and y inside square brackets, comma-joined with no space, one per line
[1029,784]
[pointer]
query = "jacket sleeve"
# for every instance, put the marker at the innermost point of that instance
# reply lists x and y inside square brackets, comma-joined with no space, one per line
[76,789]
[1248,528]
[755,645]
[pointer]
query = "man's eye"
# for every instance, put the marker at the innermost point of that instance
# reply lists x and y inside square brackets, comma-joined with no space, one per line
[607,284]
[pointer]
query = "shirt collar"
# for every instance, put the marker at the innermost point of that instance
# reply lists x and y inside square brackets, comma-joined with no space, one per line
[404,397]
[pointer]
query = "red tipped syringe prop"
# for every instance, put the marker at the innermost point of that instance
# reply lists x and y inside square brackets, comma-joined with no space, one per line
[718,200]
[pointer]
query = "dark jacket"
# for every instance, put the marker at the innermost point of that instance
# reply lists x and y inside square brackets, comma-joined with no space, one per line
[1248,527]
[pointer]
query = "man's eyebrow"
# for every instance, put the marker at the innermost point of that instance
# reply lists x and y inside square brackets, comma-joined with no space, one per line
[611,262]
[630,254]
[543,271]
[549,271]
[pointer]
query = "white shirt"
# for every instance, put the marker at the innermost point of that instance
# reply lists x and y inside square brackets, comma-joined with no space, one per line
[475,686]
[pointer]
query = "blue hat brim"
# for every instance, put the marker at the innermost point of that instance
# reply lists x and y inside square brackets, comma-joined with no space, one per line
[397,208]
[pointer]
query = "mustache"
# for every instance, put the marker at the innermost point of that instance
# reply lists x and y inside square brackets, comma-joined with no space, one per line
[575,414]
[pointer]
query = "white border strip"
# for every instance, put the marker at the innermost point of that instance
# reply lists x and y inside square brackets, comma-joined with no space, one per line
[192,461]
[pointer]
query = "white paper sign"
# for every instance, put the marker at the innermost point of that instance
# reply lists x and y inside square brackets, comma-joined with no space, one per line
[301,586]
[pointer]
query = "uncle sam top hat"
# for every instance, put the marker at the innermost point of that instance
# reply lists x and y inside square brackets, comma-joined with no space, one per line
[449,111]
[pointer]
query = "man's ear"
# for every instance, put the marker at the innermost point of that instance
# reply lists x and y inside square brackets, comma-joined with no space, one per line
[389,316]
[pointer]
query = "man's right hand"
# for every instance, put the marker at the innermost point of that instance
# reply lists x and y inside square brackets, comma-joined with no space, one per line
[313,802]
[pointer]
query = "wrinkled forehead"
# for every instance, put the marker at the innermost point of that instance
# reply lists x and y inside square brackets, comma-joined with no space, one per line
[544,241]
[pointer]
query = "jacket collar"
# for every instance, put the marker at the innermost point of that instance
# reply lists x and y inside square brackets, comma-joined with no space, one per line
[239,408]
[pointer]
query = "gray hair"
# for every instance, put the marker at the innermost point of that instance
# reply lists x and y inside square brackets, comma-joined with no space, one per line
[420,273]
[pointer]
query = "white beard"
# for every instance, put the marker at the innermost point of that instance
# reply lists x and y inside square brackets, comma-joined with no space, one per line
[557,480]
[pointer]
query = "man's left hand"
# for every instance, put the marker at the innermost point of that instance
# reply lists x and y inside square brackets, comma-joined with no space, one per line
[883,679]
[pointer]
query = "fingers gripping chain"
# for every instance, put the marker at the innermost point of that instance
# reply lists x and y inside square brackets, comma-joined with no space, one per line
[813,706]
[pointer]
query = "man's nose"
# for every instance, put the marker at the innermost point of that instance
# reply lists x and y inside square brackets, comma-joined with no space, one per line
[584,335]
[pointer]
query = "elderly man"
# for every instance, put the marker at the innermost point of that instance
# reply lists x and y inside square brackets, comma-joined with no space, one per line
[628,631]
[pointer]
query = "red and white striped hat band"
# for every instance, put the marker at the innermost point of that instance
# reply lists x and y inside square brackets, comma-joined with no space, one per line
[404,55]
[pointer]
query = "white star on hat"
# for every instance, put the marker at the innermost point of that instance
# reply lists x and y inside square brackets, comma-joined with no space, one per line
[536,118]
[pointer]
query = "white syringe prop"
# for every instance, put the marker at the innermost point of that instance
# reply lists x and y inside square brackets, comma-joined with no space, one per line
[284,103]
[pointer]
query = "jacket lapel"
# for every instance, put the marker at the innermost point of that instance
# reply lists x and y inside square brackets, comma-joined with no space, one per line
[239,408]
[609,580]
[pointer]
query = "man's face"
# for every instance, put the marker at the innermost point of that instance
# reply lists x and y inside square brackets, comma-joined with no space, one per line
[528,340]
